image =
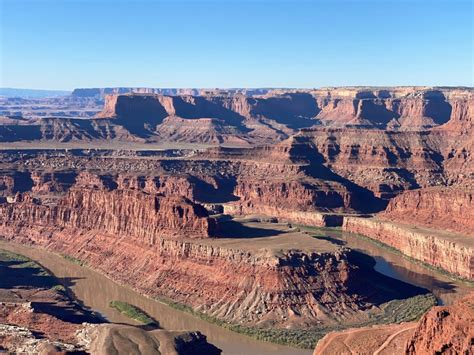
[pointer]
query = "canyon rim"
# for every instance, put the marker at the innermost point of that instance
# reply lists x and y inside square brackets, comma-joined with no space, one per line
[217,204]
[236,177]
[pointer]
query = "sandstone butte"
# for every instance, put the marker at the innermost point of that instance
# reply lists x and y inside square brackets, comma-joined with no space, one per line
[392,164]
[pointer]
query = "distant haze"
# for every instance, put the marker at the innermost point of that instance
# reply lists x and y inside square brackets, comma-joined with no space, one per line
[32,93]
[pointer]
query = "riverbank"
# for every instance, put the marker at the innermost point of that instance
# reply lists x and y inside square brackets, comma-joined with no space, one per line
[395,311]
[95,291]
[36,312]
[411,308]
[391,262]
[449,251]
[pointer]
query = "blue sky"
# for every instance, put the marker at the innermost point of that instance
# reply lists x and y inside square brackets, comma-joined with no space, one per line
[62,44]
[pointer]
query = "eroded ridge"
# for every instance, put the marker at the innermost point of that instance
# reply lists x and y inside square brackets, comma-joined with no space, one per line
[195,197]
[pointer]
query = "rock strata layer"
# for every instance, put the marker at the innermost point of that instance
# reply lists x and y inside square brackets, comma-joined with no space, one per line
[444,208]
[448,251]
[125,212]
[233,117]
[252,288]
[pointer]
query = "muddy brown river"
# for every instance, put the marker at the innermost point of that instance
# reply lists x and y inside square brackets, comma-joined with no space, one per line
[446,289]
[95,291]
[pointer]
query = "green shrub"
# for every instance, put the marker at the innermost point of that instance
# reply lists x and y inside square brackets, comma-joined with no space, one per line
[132,312]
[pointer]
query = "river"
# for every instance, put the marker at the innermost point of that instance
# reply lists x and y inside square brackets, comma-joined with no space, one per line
[446,289]
[95,291]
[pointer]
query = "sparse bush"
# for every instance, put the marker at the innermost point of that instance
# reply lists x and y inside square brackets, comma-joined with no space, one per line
[132,312]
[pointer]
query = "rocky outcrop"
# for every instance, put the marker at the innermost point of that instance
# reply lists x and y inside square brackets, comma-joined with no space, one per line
[316,219]
[133,213]
[7,184]
[15,181]
[445,330]
[258,195]
[382,161]
[119,338]
[451,252]
[380,339]
[392,108]
[164,184]
[290,177]
[462,114]
[50,183]
[200,131]
[444,208]
[442,330]
[37,316]
[105,339]
[388,162]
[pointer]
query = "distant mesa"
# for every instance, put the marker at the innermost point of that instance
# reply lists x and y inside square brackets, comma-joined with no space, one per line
[32,93]
[101,92]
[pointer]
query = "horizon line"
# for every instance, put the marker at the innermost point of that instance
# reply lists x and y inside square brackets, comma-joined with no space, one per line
[238,87]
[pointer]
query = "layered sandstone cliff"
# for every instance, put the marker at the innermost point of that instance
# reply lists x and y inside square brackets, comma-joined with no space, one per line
[384,162]
[290,177]
[235,118]
[136,214]
[388,163]
[444,208]
[448,251]
[257,195]
[124,226]
[283,178]
[392,108]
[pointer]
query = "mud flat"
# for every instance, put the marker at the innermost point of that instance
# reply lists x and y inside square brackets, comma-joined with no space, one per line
[449,251]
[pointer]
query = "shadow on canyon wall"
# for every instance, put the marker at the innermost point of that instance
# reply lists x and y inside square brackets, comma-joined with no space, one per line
[296,110]
[383,288]
[223,192]
[202,107]
[21,275]
[230,228]
[140,114]
[363,200]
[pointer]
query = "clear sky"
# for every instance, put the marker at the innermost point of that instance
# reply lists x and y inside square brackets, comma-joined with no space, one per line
[62,44]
